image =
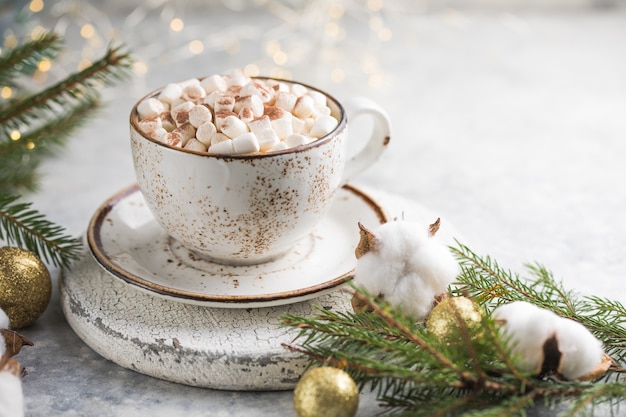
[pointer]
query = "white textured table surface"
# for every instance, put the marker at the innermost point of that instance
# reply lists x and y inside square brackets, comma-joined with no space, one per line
[510,123]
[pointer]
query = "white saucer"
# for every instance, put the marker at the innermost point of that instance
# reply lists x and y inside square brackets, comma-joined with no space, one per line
[126,241]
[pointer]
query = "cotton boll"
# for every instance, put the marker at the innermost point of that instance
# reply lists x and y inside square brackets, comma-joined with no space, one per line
[11,395]
[528,328]
[4,320]
[408,268]
[580,350]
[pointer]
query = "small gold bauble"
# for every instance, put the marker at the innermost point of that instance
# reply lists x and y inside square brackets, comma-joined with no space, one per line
[443,323]
[25,286]
[326,392]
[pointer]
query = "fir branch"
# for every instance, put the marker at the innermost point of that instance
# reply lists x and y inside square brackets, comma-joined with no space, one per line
[416,374]
[25,227]
[491,285]
[20,159]
[25,58]
[112,67]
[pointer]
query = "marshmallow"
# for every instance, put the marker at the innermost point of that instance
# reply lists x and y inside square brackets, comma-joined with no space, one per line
[172,139]
[233,91]
[188,83]
[281,121]
[267,139]
[195,145]
[318,98]
[224,103]
[177,102]
[285,100]
[218,137]
[265,93]
[167,121]
[296,139]
[212,97]
[186,132]
[150,107]
[246,115]
[323,125]
[246,143]
[224,147]
[304,107]
[233,127]
[221,115]
[150,123]
[297,125]
[237,78]
[235,113]
[298,89]
[280,146]
[213,83]
[170,93]
[322,110]
[205,131]
[180,113]
[157,134]
[194,92]
[259,124]
[253,102]
[199,114]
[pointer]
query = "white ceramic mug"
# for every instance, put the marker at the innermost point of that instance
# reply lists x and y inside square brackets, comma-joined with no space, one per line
[249,209]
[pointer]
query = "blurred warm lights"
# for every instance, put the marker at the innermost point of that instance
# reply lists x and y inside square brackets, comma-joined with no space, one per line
[84,63]
[37,32]
[385,34]
[6,92]
[252,70]
[15,135]
[36,6]
[336,10]
[375,5]
[140,68]
[44,65]
[196,47]
[337,75]
[10,41]
[87,31]
[176,24]
[287,46]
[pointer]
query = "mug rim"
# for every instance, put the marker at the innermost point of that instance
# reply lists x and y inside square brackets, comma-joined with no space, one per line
[134,123]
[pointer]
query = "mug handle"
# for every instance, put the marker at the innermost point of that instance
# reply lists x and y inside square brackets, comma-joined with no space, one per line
[375,144]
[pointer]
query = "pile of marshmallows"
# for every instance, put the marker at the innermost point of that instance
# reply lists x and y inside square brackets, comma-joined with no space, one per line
[234,114]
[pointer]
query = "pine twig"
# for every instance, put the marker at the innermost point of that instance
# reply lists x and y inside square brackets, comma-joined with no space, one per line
[25,227]
[24,59]
[112,67]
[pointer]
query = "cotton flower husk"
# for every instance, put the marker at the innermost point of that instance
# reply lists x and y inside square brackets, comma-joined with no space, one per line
[408,267]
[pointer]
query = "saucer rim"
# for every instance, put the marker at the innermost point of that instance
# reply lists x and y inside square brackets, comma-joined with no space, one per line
[95,245]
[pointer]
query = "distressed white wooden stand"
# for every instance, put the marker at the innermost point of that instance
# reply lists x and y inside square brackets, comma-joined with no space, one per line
[220,348]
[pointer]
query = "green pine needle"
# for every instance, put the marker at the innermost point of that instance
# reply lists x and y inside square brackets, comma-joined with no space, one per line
[472,372]
[491,285]
[34,125]
[25,227]
[24,59]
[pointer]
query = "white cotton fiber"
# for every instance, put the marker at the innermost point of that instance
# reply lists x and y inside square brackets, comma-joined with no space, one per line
[409,267]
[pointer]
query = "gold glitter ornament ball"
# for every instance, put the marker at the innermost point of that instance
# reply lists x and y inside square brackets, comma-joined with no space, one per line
[442,321]
[25,286]
[326,392]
